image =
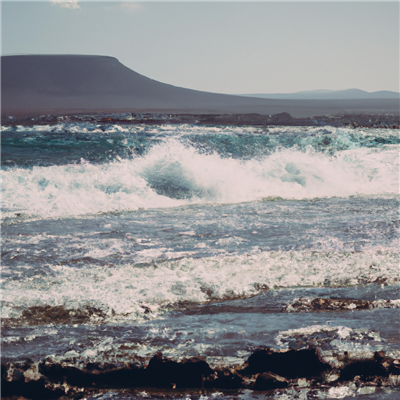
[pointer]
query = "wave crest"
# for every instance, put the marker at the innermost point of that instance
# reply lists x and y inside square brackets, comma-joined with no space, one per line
[173,174]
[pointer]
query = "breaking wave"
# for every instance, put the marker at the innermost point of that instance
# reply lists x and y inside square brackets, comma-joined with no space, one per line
[173,174]
[137,291]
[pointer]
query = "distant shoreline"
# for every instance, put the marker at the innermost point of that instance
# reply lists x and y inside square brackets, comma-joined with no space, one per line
[72,85]
[391,121]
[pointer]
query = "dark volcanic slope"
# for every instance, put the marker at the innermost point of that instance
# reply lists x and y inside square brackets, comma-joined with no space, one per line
[64,84]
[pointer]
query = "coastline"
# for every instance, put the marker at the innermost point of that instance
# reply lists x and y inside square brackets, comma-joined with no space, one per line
[266,372]
[253,340]
[391,121]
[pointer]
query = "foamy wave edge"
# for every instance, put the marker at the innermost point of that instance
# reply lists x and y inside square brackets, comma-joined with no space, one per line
[172,174]
[143,292]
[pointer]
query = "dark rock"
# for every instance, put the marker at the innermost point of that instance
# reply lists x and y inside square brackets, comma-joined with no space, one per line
[35,390]
[224,379]
[166,373]
[43,315]
[265,370]
[268,381]
[129,377]
[320,304]
[365,369]
[333,304]
[282,117]
[290,364]
[394,368]
[4,370]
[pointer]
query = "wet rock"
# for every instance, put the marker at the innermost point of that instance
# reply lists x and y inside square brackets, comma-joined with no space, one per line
[268,381]
[30,390]
[224,379]
[44,315]
[22,371]
[94,376]
[166,373]
[394,380]
[333,304]
[394,367]
[265,370]
[366,370]
[331,377]
[289,364]
[3,372]
[320,304]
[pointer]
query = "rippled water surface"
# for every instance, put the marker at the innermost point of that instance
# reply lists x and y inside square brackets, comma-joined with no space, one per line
[123,240]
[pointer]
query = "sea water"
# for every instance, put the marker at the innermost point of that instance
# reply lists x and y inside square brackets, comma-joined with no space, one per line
[195,240]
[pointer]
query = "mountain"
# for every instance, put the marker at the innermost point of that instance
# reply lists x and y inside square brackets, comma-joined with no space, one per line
[70,84]
[352,94]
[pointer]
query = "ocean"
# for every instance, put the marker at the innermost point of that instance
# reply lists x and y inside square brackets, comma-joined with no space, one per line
[126,244]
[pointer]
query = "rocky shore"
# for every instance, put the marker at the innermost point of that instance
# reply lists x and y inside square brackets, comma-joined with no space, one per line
[265,370]
[391,121]
[330,329]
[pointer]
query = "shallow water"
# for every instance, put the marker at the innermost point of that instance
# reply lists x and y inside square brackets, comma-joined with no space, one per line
[123,240]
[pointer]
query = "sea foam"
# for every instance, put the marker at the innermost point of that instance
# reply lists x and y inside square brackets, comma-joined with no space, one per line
[173,174]
[133,289]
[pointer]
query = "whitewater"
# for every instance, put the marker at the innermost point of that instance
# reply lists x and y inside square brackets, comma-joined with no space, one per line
[122,241]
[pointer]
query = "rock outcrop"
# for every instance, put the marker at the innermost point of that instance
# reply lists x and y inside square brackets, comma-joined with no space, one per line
[265,370]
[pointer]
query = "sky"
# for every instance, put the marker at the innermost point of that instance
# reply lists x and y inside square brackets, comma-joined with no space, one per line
[222,47]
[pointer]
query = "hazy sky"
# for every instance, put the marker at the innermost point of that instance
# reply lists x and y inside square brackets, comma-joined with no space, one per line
[226,47]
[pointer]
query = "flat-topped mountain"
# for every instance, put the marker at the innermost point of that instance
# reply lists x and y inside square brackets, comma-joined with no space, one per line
[65,84]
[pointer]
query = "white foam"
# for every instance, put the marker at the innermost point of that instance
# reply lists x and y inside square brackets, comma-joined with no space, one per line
[340,332]
[159,178]
[131,291]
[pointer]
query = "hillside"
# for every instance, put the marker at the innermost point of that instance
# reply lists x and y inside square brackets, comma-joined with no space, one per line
[65,84]
[351,94]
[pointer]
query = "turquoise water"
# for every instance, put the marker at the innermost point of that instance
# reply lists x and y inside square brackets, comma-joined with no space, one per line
[194,240]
